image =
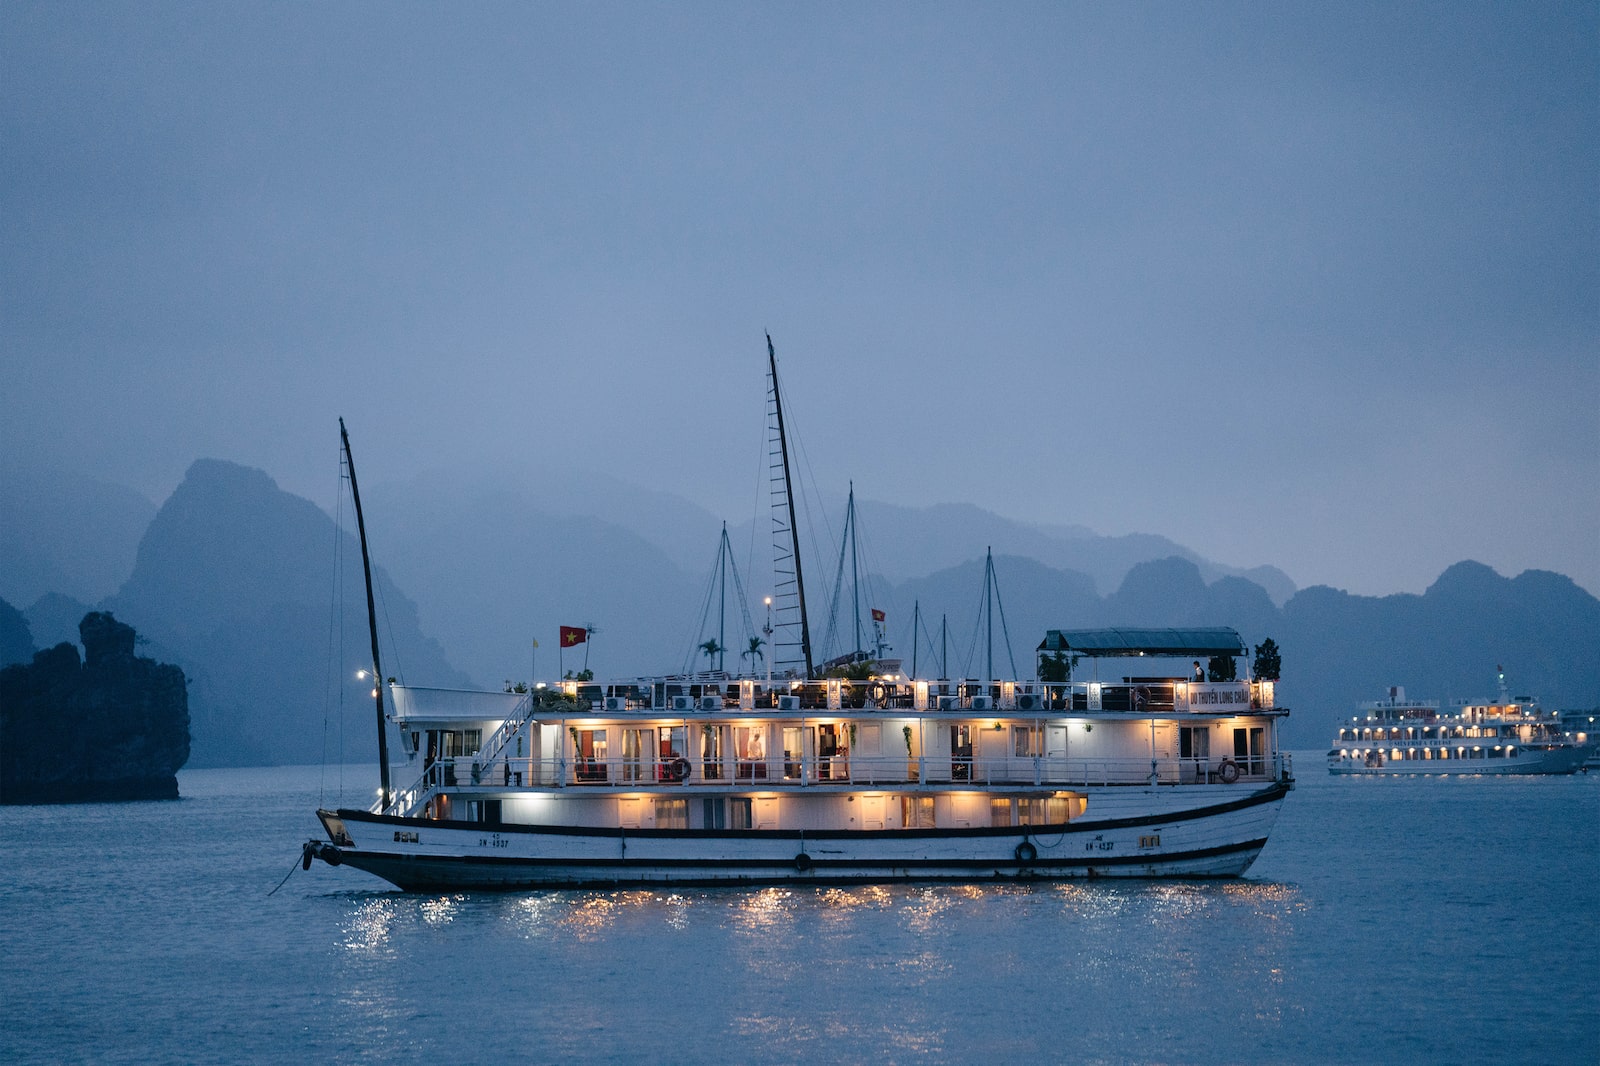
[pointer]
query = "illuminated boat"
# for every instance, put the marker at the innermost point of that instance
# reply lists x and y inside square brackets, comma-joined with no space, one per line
[873,777]
[711,780]
[1396,735]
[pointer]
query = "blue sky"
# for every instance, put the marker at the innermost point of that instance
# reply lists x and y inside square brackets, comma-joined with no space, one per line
[1309,285]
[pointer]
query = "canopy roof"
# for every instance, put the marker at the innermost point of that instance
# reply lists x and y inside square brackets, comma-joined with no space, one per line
[1096,643]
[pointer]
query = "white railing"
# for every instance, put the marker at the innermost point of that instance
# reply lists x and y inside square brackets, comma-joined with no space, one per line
[778,772]
[488,752]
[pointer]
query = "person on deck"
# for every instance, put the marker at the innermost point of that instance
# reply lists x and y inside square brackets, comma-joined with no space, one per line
[1199,673]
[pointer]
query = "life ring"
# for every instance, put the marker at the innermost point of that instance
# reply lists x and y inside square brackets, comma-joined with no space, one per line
[678,769]
[880,694]
[802,862]
[1228,772]
[1026,852]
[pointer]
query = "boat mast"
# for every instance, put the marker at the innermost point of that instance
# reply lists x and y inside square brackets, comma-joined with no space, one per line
[788,493]
[372,621]
[722,599]
[855,570]
[988,608]
[916,633]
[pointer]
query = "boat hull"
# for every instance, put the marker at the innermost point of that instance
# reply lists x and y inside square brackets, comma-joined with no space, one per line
[1218,839]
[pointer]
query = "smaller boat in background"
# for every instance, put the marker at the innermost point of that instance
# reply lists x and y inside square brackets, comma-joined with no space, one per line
[1509,735]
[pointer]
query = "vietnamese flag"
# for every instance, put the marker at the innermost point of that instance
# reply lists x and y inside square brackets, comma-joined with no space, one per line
[878,616]
[571,635]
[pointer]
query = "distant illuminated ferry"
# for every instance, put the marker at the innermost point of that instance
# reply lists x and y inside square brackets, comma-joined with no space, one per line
[1397,735]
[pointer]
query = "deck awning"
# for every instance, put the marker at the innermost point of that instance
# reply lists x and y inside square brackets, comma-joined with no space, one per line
[1105,643]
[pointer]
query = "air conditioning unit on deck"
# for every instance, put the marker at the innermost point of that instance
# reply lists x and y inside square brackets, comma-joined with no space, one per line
[1029,701]
[982,703]
[788,703]
[711,703]
[616,703]
[683,703]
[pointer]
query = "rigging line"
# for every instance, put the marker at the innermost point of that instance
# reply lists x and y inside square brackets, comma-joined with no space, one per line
[396,662]
[761,497]
[832,639]
[995,578]
[809,494]
[876,578]
[332,666]
[695,649]
[738,589]
[285,878]
[933,649]
[977,628]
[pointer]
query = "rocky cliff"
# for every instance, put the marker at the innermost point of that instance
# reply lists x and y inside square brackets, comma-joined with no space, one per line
[111,726]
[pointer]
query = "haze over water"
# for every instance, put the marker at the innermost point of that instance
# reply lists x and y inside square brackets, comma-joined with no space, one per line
[1438,919]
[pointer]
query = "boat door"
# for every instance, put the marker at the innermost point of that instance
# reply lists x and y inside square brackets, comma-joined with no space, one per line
[1055,752]
[1249,749]
[872,811]
[961,752]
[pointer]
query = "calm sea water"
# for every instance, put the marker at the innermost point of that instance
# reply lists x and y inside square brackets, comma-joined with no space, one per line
[1434,919]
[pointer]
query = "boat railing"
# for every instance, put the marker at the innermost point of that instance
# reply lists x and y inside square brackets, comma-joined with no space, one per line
[490,750]
[1134,696]
[785,772]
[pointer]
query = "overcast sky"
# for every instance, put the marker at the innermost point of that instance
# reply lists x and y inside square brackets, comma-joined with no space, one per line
[1301,284]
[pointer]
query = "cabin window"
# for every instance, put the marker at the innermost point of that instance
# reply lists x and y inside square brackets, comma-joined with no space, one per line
[1194,742]
[916,812]
[740,815]
[1024,741]
[750,750]
[871,739]
[833,752]
[635,743]
[999,812]
[961,753]
[711,752]
[591,755]
[793,752]
[673,743]
[672,814]
[713,816]
[1249,749]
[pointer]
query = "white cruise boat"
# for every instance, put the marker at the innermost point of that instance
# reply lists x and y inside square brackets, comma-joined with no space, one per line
[1396,735]
[879,776]
[721,780]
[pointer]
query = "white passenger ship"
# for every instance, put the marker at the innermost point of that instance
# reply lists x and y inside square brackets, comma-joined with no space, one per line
[716,780]
[722,780]
[1397,735]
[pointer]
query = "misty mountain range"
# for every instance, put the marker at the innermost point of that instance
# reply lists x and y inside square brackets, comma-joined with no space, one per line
[257,594]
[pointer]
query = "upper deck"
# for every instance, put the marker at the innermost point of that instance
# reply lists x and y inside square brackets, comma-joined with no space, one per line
[752,698]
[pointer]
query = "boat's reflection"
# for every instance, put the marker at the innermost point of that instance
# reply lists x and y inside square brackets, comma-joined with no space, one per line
[797,969]
[768,911]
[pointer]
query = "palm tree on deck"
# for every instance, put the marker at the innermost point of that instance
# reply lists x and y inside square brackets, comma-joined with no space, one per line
[711,649]
[754,652]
